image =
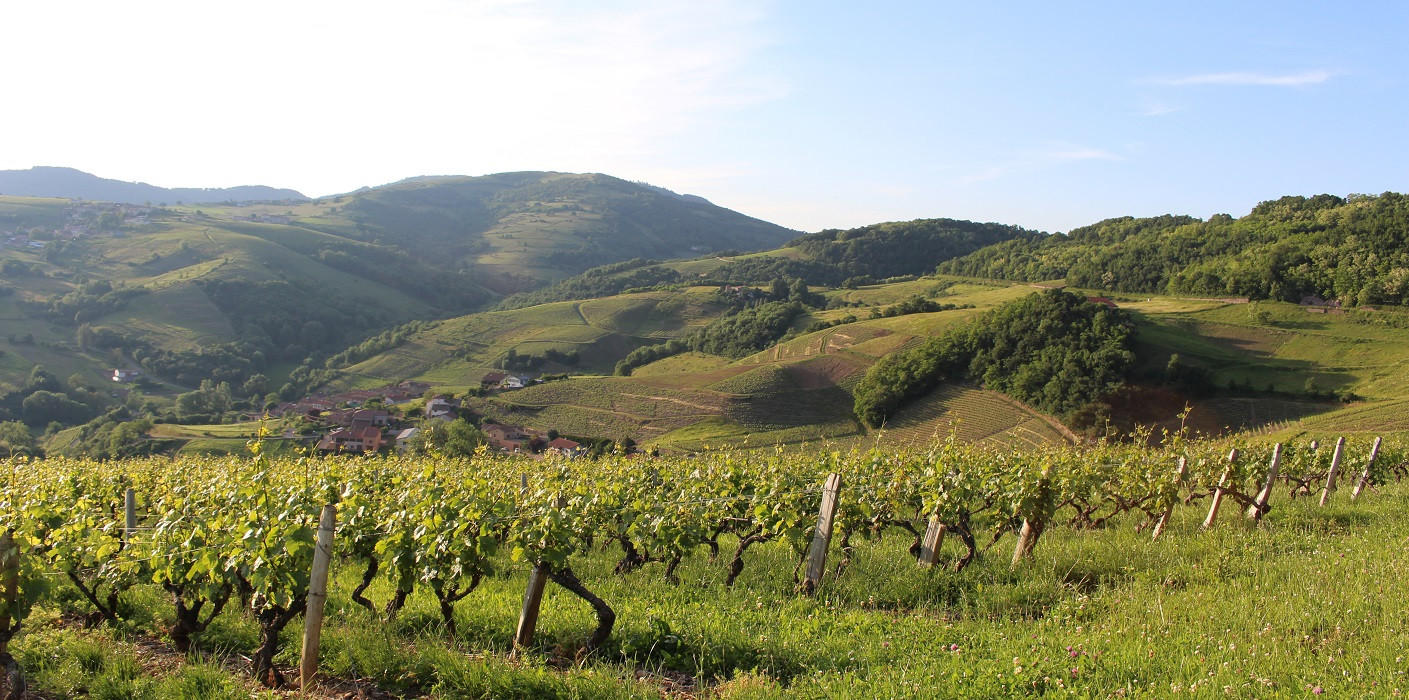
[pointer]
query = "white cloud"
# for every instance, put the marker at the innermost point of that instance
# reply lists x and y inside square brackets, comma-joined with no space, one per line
[1302,79]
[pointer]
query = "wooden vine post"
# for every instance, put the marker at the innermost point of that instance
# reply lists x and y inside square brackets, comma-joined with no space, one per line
[10,588]
[532,601]
[1218,492]
[934,539]
[317,598]
[1259,507]
[822,537]
[10,583]
[1334,471]
[129,507]
[533,598]
[1169,509]
[1364,479]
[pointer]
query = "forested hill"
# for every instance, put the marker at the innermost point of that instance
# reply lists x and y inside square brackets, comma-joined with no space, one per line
[67,183]
[1354,250]
[829,258]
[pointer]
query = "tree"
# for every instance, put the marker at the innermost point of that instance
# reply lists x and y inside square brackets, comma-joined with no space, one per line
[41,379]
[43,407]
[15,439]
[457,438]
[210,399]
[254,386]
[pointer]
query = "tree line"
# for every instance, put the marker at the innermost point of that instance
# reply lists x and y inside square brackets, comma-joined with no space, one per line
[1354,250]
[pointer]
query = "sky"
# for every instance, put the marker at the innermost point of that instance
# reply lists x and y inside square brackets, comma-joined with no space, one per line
[812,115]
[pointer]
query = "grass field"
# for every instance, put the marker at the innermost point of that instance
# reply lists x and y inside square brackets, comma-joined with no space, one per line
[1306,603]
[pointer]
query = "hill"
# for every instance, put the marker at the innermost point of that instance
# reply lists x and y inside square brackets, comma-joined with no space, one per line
[1351,251]
[515,231]
[68,183]
[1267,366]
[830,258]
[228,291]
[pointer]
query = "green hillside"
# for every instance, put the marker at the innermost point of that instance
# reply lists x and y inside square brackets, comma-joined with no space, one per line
[228,291]
[732,347]
[831,258]
[1353,250]
[515,231]
[799,390]
[457,352]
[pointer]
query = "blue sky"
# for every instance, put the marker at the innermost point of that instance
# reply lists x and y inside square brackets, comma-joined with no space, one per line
[809,114]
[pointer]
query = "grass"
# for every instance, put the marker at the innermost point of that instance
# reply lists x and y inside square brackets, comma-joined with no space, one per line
[1311,598]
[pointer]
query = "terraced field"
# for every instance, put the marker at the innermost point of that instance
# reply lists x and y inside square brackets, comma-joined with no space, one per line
[1377,417]
[603,406]
[971,415]
[460,350]
[686,363]
[1235,414]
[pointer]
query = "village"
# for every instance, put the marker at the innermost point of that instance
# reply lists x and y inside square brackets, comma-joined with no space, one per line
[372,420]
[82,219]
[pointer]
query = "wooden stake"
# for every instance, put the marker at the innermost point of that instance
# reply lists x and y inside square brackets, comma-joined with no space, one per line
[10,582]
[1169,509]
[1335,470]
[1259,508]
[532,601]
[317,598]
[129,503]
[1218,492]
[1364,479]
[934,539]
[532,597]
[822,537]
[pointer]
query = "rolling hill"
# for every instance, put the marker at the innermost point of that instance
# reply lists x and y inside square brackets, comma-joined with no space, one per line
[234,290]
[68,183]
[408,282]
[799,389]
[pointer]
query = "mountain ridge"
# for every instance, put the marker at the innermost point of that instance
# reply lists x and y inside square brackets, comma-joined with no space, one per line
[71,183]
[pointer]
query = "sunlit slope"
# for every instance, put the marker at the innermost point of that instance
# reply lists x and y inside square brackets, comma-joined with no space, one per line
[458,351]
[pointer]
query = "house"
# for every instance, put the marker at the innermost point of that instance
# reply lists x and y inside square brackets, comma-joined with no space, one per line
[443,408]
[492,379]
[359,438]
[515,381]
[378,417]
[566,447]
[126,375]
[505,437]
[403,438]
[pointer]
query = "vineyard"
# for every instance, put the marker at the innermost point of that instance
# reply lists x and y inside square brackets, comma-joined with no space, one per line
[443,547]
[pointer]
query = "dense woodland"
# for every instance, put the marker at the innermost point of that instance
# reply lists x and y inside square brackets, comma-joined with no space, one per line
[1352,250]
[733,335]
[1055,351]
